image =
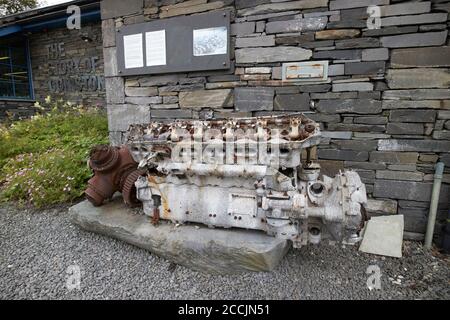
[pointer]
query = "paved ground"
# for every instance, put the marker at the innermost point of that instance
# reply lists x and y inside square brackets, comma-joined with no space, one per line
[38,247]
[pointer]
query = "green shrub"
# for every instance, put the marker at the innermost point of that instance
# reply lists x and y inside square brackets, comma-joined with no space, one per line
[43,160]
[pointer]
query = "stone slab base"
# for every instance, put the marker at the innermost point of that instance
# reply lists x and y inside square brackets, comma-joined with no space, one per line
[218,251]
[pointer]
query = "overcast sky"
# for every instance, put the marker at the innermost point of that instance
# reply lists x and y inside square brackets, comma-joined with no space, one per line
[45,3]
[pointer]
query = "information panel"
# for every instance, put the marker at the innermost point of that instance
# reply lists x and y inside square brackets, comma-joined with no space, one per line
[133,53]
[180,44]
[155,47]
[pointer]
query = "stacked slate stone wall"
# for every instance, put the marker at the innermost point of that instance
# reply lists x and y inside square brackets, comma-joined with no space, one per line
[384,112]
[15,109]
[63,66]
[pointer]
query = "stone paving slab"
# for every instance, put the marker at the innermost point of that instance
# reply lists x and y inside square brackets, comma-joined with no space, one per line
[384,236]
[216,251]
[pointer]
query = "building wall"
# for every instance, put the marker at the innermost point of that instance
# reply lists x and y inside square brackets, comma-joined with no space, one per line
[385,111]
[63,66]
[15,109]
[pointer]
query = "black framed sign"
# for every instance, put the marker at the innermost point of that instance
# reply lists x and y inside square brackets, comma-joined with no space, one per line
[189,43]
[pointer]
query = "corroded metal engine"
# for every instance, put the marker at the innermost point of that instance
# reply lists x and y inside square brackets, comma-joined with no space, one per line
[114,170]
[246,173]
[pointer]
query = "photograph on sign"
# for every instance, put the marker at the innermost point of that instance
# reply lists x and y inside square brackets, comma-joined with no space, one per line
[155,47]
[210,41]
[133,51]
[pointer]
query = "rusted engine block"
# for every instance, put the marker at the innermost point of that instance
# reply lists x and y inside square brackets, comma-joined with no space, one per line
[246,173]
[114,170]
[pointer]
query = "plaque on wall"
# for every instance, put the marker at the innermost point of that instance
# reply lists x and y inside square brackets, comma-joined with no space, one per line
[305,71]
[155,47]
[181,44]
[133,52]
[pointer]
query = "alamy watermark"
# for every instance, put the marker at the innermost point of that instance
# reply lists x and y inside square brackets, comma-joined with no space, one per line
[73,280]
[74,20]
[374,280]
[374,20]
[235,146]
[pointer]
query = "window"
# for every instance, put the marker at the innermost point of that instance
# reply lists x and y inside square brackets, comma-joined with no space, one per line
[15,79]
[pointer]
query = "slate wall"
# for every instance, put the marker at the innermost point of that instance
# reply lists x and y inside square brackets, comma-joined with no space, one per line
[63,66]
[385,111]
[15,109]
[67,67]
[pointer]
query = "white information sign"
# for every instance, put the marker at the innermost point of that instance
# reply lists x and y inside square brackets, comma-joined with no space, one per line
[155,46]
[133,51]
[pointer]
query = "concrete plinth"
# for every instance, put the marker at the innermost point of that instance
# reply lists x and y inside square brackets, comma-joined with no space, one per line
[218,251]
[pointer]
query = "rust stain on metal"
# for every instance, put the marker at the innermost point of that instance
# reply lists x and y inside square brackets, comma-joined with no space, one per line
[155,218]
[155,182]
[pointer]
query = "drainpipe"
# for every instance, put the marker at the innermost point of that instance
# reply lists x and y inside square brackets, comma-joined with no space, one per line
[434,204]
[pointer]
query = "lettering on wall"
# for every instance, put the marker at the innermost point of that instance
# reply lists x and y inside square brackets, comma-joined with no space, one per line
[72,74]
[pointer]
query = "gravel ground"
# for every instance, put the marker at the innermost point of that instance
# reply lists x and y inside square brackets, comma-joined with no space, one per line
[37,248]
